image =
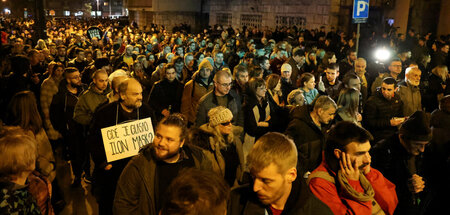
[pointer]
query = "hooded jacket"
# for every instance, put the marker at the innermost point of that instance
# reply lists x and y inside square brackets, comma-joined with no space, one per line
[87,103]
[308,138]
[193,91]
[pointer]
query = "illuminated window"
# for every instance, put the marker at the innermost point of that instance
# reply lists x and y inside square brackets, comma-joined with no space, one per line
[66,13]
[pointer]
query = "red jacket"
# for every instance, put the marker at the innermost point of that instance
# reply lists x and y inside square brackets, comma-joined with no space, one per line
[340,203]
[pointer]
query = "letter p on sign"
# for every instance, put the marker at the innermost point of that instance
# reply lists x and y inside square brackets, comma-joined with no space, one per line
[360,9]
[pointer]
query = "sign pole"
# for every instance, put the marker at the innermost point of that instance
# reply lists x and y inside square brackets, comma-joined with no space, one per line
[357,38]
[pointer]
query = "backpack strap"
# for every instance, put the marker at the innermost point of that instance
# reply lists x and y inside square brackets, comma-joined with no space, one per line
[321,174]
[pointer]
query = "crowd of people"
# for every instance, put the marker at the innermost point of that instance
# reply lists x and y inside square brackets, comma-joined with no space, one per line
[247,121]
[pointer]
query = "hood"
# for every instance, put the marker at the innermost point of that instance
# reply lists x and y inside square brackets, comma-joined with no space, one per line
[94,90]
[301,113]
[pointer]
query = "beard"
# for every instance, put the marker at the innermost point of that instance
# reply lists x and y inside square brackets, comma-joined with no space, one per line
[159,156]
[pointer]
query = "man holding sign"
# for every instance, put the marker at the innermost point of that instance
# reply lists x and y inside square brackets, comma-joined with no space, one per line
[114,119]
[144,181]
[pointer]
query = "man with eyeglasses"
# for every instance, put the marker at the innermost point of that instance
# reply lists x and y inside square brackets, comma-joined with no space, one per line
[220,96]
[61,117]
[394,70]
[400,159]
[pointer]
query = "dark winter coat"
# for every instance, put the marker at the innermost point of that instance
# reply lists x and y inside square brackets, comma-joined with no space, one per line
[378,112]
[391,159]
[308,138]
[165,94]
[62,109]
[244,201]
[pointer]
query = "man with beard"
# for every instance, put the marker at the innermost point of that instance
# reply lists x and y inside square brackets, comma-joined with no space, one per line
[409,91]
[61,117]
[344,181]
[143,184]
[275,188]
[62,55]
[128,108]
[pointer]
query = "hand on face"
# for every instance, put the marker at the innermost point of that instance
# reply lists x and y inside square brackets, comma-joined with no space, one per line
[349,169]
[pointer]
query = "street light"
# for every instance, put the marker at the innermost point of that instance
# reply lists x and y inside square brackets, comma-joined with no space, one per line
[96,12]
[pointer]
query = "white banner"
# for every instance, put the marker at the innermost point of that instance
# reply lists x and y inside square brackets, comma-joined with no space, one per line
[124,140]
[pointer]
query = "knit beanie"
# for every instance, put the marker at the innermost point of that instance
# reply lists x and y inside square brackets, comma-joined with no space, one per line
[205,64]
[219,115]
[417,127]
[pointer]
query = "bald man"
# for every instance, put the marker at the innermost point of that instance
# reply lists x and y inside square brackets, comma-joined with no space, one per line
[129,107]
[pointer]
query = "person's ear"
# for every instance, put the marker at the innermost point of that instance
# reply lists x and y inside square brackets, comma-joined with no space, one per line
[337,153]
[291,174]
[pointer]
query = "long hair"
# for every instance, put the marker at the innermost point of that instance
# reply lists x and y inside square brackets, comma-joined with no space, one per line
[348,101]
[23,112]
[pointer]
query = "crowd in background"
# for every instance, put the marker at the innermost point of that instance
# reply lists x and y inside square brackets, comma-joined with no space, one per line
[232,87]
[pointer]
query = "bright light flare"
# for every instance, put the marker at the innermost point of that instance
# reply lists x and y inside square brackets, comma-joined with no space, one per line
[382,54]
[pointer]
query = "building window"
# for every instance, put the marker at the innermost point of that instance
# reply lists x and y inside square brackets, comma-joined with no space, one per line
[251,20]
[288,21]
[66,13]
[224,19]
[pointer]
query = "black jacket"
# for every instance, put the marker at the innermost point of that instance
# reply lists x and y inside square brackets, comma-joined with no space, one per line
[243,201]
[62,107]
[250,124]
[391,159]
[105,116]
[308,138]
[165,94]
[378,112]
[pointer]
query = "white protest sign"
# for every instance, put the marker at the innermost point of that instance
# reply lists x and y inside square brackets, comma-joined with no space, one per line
[124,140]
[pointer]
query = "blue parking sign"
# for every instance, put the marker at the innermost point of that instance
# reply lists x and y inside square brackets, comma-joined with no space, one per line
[360,9]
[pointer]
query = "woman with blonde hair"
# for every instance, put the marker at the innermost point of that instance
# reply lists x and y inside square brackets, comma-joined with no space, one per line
[348,103]
[18,153]
[438,84]
[220,141]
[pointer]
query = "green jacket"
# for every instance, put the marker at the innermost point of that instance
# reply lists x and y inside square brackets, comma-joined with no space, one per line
[135,192]
[87,103]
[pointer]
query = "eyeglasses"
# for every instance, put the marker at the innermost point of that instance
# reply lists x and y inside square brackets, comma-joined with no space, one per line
[226,84]
[226,123]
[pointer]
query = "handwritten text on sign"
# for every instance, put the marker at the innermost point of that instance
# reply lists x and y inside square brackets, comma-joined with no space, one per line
[124,140]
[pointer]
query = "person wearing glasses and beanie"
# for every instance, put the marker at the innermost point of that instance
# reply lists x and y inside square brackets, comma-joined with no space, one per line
[219,139]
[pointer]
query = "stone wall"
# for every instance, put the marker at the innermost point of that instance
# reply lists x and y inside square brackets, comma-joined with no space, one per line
[270,13]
